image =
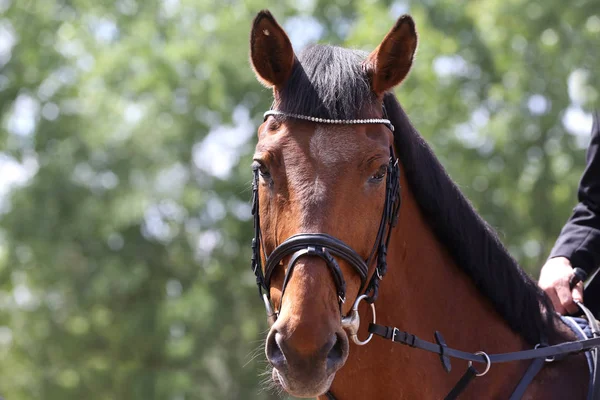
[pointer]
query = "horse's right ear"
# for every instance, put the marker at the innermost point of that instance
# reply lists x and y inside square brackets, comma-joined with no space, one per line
[271,51]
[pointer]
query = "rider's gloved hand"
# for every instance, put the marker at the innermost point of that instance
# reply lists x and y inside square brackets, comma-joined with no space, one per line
[554,280]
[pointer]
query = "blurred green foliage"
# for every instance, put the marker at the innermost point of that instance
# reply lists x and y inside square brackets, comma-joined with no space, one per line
[124,170]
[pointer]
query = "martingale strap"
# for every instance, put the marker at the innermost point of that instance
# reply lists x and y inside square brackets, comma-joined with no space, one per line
[539,355]
[462,384]
[535,367]
[411,340]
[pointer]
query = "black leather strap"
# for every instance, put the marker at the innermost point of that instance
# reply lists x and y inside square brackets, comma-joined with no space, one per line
[462,384]
[303,241]
[443,357]
[533,369]
[399,336]
[538,355]
[336,272]
[389,219]
[256,263]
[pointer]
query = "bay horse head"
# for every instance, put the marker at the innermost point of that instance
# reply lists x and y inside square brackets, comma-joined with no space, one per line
[326,194]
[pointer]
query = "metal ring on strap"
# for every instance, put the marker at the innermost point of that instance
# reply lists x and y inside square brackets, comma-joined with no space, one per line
[351,323]
[487,360]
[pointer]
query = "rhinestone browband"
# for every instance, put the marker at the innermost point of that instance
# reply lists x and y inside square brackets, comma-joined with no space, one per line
[386,122]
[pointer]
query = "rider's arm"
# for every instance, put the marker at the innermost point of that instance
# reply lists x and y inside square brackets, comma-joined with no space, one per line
[579,240]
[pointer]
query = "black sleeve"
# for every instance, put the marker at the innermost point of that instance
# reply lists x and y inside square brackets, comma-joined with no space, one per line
[579,240]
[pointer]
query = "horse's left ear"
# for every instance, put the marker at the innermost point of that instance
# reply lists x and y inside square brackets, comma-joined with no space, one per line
[390,62]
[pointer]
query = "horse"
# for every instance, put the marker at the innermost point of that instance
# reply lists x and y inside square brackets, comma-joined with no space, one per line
[335,156]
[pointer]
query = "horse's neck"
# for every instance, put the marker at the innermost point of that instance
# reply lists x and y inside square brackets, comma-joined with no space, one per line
[425,291]
[435,293]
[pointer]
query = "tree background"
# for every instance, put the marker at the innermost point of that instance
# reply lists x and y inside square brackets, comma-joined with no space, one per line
[125,141]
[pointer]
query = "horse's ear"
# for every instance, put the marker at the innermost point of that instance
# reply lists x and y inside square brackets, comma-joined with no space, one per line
[271,51]
[390,62]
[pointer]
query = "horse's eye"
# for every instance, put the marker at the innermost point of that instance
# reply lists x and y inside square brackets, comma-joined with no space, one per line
[379,175]
[263,171]
[273,124]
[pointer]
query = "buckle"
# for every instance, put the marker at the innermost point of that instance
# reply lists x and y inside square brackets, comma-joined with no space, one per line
[395,331]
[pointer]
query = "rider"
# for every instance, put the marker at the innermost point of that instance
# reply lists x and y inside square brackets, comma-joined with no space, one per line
[578,245]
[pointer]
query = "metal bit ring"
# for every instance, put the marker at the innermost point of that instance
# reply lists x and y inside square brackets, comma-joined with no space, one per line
[351,322]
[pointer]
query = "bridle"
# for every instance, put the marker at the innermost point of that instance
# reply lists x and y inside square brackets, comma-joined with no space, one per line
[328,247]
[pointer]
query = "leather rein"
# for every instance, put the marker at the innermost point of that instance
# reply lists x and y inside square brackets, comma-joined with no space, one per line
[329,248]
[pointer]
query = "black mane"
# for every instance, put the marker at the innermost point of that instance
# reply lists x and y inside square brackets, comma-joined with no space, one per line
[470,240]
[329,82]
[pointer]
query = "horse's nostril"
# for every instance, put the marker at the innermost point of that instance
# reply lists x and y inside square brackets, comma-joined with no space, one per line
[273,350]
[338,353]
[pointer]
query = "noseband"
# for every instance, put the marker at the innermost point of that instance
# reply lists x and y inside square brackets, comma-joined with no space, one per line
[327,247]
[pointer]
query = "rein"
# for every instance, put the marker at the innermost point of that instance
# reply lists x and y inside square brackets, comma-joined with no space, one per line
[328,248]
[540,354]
